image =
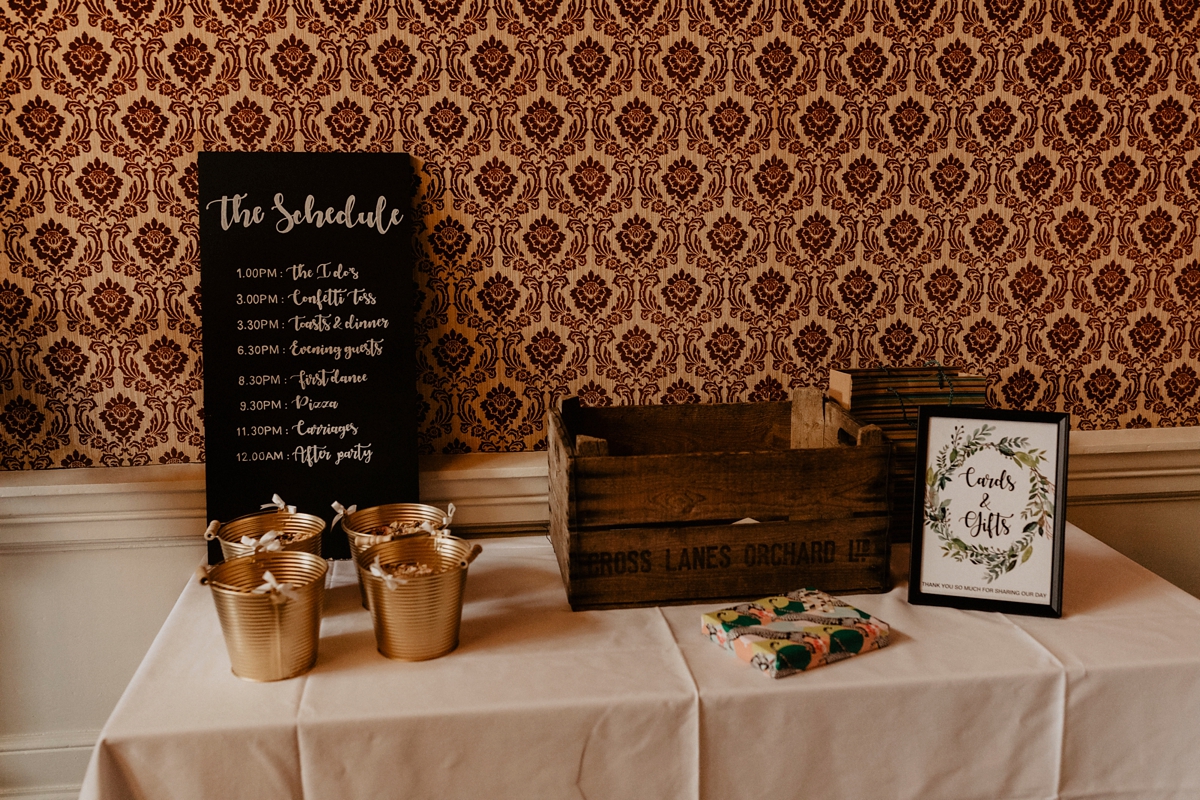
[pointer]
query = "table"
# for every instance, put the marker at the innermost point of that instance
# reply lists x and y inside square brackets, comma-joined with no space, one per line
[540,702]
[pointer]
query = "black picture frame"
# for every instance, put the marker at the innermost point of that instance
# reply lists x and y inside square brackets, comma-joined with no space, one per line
[983,544]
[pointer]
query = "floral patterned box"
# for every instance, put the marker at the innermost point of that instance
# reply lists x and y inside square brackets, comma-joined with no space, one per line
[798,631]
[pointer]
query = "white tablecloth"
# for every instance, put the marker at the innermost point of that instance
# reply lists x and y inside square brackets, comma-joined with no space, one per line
[540,702]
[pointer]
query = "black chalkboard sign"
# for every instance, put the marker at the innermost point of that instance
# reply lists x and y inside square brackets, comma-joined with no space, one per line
[307,309]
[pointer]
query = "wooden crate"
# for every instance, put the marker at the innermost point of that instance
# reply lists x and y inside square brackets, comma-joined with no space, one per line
[642,501]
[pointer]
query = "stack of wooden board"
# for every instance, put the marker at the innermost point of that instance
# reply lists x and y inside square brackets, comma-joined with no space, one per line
[889,398]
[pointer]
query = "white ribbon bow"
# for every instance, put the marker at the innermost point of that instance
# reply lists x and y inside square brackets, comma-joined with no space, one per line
[278,504]
[378,538]
[439,533]
[390,581]
[280,592]
[341,512]
[267,543]
[210,532]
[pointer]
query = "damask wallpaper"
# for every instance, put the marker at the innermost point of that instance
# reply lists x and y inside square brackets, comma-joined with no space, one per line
[641,201]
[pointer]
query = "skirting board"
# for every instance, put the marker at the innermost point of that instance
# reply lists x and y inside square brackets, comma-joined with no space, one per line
[36,766]
[65,792]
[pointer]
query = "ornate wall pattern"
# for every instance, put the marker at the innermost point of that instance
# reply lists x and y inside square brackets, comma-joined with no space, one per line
[637,200]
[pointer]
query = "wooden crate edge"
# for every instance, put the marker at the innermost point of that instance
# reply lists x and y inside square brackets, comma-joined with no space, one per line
[561,458]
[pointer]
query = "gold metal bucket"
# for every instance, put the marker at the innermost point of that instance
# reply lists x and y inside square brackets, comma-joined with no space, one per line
[299,532]
[419,618]
[270,636]
[359,524]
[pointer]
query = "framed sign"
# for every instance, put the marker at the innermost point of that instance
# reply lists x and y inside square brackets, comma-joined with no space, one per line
[306,274]
[990,513]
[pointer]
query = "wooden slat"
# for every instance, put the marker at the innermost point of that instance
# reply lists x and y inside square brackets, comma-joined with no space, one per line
[590,446]
[562,502]
[840,427]
[629,567]
[870,436]
[808,418]
[694,487]
[657,430]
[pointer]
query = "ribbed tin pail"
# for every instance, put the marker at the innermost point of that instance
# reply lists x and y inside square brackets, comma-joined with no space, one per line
[269,636]
[358,526]
[304,529]
[418,619]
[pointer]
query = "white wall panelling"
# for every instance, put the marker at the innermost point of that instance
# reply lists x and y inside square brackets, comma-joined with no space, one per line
[1139,492]
[493,492]
[92,560]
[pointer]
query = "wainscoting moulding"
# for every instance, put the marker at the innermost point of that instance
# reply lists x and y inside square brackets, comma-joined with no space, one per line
[1139,490]
[495,493]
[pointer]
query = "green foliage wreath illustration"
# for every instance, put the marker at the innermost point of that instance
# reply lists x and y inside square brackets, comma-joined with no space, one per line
[1038,514]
